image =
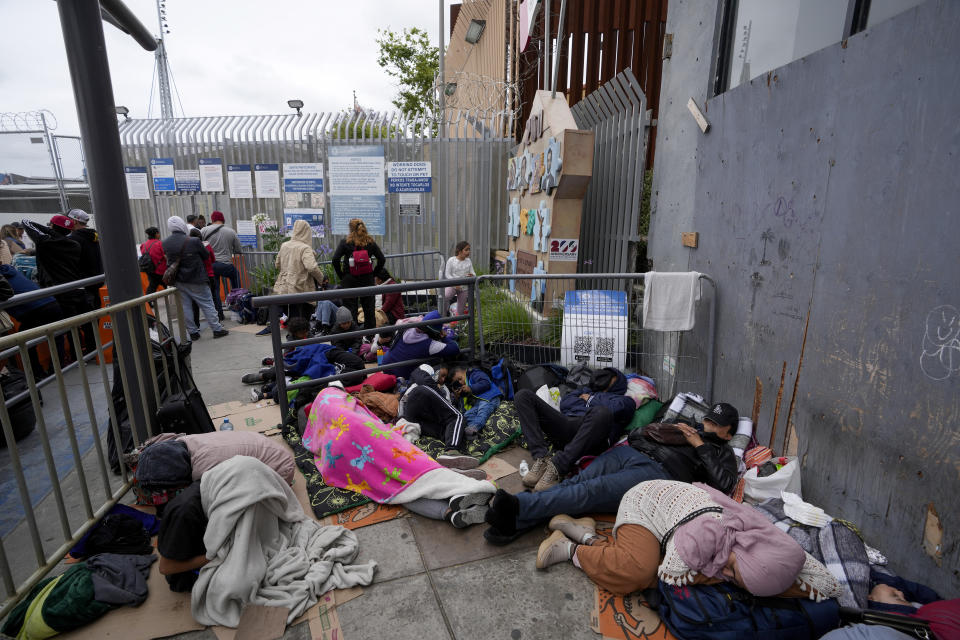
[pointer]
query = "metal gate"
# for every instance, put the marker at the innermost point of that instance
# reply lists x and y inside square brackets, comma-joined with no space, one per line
[468,165]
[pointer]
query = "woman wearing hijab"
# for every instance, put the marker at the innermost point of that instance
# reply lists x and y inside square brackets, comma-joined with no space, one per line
[354,264]
[686,534]
[299,272]
[191,279]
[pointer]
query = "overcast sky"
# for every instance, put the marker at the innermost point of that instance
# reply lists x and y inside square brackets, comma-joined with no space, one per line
[235,57]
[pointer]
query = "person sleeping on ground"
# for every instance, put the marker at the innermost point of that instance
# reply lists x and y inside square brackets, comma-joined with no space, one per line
[418,343]
[687,534]
[426,402]
[354,450]
[660,451]
[239,536]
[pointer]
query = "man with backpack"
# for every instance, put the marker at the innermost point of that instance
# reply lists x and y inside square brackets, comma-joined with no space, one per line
[152,261]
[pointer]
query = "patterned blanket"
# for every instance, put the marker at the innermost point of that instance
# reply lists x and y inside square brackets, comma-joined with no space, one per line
[501,429]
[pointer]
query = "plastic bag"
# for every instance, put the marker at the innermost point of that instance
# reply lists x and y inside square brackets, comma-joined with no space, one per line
[787,478]
[550,395]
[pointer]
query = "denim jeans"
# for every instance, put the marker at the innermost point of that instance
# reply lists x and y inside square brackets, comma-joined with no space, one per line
[199,293]
[596,489]
[479,413]
[226,269]
[326,312]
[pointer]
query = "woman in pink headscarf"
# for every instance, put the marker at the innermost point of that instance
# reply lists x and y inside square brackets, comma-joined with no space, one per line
[687,534]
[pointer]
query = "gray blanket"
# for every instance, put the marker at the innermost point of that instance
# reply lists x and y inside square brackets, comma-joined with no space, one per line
[263,549]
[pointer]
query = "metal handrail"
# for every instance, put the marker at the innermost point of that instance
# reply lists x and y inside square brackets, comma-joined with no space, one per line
[46,292]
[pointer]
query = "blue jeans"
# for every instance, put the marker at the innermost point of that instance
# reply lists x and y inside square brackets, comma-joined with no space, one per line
[226,269]
[596,489]
[199,293]
[479,413]
[326,312]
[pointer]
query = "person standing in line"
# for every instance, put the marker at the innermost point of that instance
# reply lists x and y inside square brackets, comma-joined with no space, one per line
[154,248]
[353,261]
[191,279]
[458,266]
[225,244]
[298,271]
[91,264]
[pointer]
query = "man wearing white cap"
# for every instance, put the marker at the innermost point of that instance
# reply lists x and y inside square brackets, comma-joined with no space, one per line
[90,263]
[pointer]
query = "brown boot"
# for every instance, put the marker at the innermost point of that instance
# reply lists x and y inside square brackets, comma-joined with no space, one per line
[550,478]
[536,472]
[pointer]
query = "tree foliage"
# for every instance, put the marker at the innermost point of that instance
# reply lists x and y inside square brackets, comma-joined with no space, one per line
[411,60]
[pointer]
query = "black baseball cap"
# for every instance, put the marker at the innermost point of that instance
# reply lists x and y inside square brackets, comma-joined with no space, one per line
[723,414]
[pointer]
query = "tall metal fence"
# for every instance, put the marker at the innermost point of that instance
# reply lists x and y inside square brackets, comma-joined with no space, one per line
[617,113]
[469,162]
[62,479]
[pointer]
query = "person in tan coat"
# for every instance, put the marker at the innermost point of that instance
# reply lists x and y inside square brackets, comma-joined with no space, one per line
[298,268]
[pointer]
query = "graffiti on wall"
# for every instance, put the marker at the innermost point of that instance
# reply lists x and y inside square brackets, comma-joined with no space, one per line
[940,358]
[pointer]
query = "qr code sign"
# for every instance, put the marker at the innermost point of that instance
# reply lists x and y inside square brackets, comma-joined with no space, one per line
[582,348]
[604,349]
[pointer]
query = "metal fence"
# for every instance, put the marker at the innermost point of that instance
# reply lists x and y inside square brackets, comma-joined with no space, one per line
[469,168]
[617,113]
[539,323]
[62,476]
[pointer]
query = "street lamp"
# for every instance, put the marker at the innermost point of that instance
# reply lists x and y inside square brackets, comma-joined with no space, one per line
[475,30]
[296,104]
[123,111]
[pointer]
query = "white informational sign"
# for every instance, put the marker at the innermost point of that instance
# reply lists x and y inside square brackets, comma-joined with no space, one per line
[137,186]
[564,250]
[409,204]
[247,233]
[163,174]
[187,179]
[303,177]
[408,177]
[267,177]
[356,187]
[594,329]
[211,174]
[238,179]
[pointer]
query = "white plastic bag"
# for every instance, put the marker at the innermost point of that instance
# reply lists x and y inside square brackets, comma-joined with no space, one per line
[787,478]
[550,395]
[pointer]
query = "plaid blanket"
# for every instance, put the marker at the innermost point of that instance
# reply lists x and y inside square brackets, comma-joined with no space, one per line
[836,545]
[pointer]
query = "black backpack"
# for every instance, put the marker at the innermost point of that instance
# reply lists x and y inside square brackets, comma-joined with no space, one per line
[22,417]
[146,262]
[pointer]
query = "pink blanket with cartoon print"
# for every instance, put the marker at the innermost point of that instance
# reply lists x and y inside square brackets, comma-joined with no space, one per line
[354,450]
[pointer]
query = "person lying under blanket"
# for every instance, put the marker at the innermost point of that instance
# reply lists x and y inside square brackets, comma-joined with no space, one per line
[659,451]
[354,450]
[239,536]
[685,534]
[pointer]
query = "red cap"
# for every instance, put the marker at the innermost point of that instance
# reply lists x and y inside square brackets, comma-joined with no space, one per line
[216,216]
[63,222]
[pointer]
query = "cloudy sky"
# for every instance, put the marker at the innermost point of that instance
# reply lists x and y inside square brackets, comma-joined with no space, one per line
[228,57]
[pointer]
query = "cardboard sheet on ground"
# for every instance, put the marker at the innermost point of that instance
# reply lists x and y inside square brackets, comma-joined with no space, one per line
[226,408]
[252,328]
[496,468]
[365,515]
[164,613]
[254,419]
[623,617]
[326,626]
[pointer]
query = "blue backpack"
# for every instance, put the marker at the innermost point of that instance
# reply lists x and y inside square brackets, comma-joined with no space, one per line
[726,612]
[504,375]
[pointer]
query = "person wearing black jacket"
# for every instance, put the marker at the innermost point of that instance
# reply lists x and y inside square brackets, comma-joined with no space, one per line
[353,262]
[191,281]
[90,263]
[703,456]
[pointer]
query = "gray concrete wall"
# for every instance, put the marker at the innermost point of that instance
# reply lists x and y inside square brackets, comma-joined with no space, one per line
[825,195]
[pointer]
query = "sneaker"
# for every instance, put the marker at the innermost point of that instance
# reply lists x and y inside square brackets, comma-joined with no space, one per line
[459,503]
[220,333]
[195,336]
[466,517]
[476,474]
[550,478]
[554,550]
[580,530]
[536,472]
[453,459]
[252,378]
[256,395]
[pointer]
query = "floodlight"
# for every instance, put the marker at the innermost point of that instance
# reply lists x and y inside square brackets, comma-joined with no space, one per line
[450,89]
[123,111]
[296,104]
[475,30]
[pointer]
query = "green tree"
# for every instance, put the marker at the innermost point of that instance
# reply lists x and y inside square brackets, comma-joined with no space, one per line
[411,60]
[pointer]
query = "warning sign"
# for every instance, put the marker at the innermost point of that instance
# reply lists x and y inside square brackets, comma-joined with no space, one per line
[564,250]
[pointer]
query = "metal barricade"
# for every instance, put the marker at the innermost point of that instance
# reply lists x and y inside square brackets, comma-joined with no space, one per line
[276,304]
[57,476]
[524,317]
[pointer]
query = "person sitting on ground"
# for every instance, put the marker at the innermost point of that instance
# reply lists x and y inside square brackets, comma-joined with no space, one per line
[419,343]
[458,265]
[689,454]
[344,324]
[154,248]
[423,403]
[325,315]
[392,303]
[695,534]
[485,395]
[594,420]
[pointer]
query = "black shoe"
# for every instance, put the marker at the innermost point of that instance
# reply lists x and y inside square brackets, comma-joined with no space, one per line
[195,336]
[221,317]
[498,538]
[220,333]
[503,512]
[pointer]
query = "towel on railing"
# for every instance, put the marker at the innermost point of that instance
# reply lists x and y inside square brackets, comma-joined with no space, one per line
[669,300]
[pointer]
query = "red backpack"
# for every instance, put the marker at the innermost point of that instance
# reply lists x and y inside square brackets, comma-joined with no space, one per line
[360,263]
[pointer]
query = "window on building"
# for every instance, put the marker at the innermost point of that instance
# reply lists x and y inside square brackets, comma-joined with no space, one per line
[760,35]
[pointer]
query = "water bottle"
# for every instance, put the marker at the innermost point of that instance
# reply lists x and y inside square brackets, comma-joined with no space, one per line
[226,425]
[380,355]
[523,468]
